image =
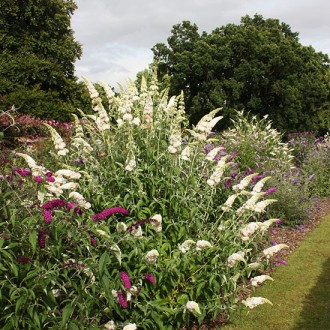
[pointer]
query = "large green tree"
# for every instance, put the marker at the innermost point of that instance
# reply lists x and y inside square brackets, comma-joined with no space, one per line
[37,55]
[258,65]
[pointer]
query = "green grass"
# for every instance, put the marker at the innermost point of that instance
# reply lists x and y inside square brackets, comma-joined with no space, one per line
[300,292]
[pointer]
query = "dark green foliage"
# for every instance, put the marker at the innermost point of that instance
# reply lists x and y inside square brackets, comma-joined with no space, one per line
[258,65]
[37,55]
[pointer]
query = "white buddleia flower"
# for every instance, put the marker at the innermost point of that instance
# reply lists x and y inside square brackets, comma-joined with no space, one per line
[274,249]
[110,325]
[130,163]
[156,222]
[255,281]
[186,245]
[211,155]
[185,154]
[68,174]
[244,182]
[228,203]
[255,301]
[130,326]
[261,206]
[235,258]
[247,231]
[193,307]
[202,244]
[152,256]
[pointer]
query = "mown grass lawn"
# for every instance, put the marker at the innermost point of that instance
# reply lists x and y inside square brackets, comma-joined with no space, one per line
[300,291]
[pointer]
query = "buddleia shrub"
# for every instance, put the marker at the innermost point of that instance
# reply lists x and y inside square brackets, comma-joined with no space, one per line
[132,224]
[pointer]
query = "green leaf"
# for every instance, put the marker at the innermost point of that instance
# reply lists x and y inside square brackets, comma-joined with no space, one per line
[33,239]
[66,313]
[103,261]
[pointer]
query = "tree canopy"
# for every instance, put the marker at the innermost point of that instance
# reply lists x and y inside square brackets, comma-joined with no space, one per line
[258,65]
[37,55]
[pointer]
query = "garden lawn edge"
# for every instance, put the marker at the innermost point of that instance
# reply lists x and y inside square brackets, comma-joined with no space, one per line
[299,292]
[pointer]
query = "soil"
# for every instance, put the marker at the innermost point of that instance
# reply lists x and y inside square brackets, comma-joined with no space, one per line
[280,234]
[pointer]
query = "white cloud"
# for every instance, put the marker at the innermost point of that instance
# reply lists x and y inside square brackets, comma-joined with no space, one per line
[117,36]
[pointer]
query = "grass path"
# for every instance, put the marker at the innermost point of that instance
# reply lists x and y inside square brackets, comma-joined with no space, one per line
[300,292]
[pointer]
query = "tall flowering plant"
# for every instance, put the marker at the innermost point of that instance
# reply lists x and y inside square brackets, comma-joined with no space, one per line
[135,225]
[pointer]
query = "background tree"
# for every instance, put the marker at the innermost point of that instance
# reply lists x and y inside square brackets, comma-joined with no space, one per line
[37,55]
[258,65]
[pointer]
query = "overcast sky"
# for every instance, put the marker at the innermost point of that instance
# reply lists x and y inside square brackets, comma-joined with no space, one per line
[117,36]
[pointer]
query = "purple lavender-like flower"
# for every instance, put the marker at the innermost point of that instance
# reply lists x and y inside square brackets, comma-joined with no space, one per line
[22,172]
[79,160]
[75,208]
[50,179]
[126,280]
[122,299]
[38,179]
[149,278]
[138,223]
[270,190]
[47,215]
[108,212]
[281,262]
[47,208]
[92,239]
[24,260]
[42,238]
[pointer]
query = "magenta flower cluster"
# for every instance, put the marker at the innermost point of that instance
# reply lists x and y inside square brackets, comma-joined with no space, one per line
[42,238]
[108,212]
[49,206]
[126,280]
[122,299]
[150,278]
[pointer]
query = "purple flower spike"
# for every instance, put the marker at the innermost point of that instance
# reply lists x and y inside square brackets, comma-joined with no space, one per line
[23,260]
[281,262]
[42,238]
[108,212]
[122,299]
[38,179]
[50,178]
[48,216]
[74,206]
[125,278]
[149,278]
[270,190]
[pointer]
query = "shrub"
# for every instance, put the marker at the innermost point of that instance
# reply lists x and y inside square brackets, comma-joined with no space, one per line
[133,224]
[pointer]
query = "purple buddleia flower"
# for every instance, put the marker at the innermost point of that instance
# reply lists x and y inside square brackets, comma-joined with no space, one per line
[24,260]
[42,238]
[122,299]
[126,280]
[47,216]
[75,208]
[281,262]
[108,212]
[270,190]
[149,278]
[38,179]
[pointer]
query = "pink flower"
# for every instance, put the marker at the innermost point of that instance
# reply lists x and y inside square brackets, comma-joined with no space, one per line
[150,278]
[48,216]
[24,260]
[50,179]
[122,299]
[125,278]
[38,179]
[281,262]
[92,239]
[55,203]
[73,205]
[108,212]
[270,190]
[42,238]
